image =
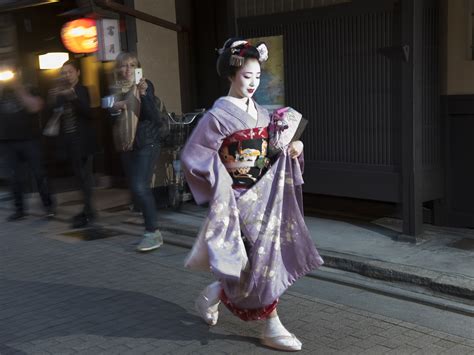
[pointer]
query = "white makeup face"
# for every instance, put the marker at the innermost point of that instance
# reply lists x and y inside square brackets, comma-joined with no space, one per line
[246,80]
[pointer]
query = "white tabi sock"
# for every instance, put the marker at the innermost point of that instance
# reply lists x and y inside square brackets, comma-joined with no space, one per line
[274,328]
[212,293]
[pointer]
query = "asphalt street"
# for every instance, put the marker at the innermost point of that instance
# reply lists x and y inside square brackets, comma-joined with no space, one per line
[63,294]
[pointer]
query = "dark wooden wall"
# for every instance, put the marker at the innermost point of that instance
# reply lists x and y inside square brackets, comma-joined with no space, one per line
[211,22]
[343,72]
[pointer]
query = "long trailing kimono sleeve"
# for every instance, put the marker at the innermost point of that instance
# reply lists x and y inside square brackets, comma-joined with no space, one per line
[201,159]
[210,182]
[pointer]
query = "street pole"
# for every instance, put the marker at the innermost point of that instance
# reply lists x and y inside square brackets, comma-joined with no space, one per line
[411,13]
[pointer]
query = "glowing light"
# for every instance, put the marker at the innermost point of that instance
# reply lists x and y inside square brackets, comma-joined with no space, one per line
[53,60]
[80,36]
[6,75]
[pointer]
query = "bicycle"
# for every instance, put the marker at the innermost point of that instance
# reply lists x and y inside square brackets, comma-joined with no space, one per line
[180,128]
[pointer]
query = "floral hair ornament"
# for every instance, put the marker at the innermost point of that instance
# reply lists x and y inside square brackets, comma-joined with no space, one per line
[239,43]
[233,45]
[263,52]
[237,49]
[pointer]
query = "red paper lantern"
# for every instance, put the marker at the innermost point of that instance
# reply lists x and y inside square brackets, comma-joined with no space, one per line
[80,36]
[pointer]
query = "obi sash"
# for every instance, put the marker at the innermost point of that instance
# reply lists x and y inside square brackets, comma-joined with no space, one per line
[244,155]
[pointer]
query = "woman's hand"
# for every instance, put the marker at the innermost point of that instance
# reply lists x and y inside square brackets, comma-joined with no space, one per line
[119,106]
[142,87]
[295,149]
[67,93]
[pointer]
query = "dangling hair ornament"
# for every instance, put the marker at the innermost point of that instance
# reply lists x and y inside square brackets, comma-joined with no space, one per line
[263,52]
[236,59]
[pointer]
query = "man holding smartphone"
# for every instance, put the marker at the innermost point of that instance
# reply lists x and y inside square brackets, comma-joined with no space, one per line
[79,138]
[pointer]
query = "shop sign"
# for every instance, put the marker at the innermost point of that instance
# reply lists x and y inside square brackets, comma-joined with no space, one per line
[109,39]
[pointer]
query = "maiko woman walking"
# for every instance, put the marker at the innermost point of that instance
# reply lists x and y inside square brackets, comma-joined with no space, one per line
[254,239]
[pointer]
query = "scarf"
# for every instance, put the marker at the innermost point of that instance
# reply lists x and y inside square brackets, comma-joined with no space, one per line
[125,125]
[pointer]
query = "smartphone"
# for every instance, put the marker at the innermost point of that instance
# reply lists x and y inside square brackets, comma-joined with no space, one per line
[61,83]
[138,75]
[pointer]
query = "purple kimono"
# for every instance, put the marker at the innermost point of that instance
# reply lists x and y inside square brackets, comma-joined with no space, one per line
[268,216]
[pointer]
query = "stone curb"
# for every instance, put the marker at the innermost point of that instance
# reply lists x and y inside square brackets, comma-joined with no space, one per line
[459,286]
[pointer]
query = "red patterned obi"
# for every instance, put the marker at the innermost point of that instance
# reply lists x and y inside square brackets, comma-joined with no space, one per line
[248,314]
[244,154]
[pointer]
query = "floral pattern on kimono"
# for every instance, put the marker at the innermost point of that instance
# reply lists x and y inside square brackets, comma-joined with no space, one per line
[269,214]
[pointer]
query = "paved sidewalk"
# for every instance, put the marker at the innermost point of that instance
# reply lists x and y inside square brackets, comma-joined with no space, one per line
[443,262]
[63,295]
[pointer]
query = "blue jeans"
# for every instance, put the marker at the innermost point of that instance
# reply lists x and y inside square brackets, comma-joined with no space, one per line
[138,165]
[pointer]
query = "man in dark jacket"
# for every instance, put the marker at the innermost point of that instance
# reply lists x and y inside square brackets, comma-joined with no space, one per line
[72,98]
[19,136]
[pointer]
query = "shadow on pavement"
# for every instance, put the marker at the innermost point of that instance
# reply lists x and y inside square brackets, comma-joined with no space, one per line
[6,350]
[59,310]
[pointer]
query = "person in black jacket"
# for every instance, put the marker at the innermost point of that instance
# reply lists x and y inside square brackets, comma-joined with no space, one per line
[19,137]
[72,98]
[138,100]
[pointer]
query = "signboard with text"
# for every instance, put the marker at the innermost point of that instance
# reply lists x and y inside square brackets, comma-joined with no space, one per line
[108,31]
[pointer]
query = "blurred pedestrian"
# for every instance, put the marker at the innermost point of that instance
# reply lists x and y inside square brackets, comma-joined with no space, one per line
[19,134]
[137,137]
[72,100]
